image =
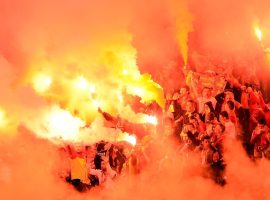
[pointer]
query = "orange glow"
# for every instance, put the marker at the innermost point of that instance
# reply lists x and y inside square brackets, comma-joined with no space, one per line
[97,81]
[62,60]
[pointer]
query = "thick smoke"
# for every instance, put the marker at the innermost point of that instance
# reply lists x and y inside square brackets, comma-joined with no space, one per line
[216,33]
[161,33]
[29,168]
[224,37]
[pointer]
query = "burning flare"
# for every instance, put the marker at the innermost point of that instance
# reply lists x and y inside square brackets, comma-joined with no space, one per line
[3,118]
[56,123]
[128,138]
[88,82]
[151,120]
[81,83]
[42,82]
[258,33]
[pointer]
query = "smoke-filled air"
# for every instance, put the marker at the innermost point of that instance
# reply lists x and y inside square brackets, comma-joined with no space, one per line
[164,99]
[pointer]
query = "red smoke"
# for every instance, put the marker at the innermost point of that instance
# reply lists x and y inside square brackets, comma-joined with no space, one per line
[222,35]
[29,170]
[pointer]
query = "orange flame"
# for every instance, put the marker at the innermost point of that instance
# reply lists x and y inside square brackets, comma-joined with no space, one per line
[84,92]
[80,83]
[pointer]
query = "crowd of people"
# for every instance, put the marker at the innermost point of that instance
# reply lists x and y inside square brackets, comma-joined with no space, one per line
[199,117]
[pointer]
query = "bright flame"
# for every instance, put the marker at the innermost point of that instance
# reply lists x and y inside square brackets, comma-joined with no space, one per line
[184,25]
[8,123]
[42,82]
[138,91]
[95,80]
[81,83]
[59,123]
[96,103]
[128,138]
[120,97]
[258,33]
[3,119]
[92,89]
[63,124]
[125,72]
[151,119]
[131,139]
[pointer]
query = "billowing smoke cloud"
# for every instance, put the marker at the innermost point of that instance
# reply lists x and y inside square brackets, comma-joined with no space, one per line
[91,38]
[163,33]
[224,36]
[30,167]
[161,38]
